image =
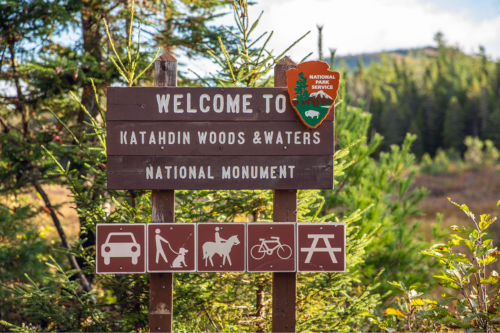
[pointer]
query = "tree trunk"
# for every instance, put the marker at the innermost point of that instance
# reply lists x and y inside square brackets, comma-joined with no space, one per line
[92,15]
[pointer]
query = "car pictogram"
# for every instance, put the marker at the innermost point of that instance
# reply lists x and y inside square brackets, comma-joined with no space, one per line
[121,244]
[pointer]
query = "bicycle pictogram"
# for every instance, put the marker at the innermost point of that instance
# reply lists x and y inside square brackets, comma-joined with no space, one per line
[265,247]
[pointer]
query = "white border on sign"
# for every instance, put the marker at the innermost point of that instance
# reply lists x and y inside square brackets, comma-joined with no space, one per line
[98,250]
[321,223]
[244,248]
[195,248]
[295,246]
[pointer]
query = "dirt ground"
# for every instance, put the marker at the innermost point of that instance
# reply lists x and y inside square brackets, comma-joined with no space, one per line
[479,189]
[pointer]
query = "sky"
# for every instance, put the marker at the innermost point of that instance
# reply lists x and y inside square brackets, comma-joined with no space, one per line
[359,26]
[364,26]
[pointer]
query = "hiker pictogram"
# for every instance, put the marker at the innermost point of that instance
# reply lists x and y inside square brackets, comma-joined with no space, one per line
[171,247]
[181,255]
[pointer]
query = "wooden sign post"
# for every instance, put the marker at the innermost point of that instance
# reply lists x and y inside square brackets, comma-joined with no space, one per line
[284,210]
[163,210]
[168,138]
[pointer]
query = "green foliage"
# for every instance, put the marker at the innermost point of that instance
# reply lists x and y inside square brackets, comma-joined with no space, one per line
[203,301]
[439,165]
[39,74]
[479,152]
[386,185]
[441,94]
[248,65]
[128,71]
[453,128]
[472,303]
[49,138]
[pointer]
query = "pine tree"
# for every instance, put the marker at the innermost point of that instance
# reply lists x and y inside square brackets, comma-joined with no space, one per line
[453,129]
[491,130]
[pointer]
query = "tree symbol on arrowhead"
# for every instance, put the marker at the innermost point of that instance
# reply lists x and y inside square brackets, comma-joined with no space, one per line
[301,93]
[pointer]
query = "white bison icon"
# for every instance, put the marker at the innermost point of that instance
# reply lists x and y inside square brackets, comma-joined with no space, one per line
[312,114]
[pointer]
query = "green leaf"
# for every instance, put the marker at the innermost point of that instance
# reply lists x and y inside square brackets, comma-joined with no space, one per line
[491,280]
[448,284]
[416,285]
[396,312]
[486,221]
[470,317]
[399,285]
[464,208]
[445,301]
[463,230]
[417,302]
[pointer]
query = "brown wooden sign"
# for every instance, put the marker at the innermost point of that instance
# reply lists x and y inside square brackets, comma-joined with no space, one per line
[219,172]
[200,104]
[171,247]
[214,138]
[221,247]
[271,247]
[218,138]
[321,247]
[121,248]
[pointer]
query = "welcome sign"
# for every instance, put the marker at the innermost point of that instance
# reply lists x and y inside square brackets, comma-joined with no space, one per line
[214,138]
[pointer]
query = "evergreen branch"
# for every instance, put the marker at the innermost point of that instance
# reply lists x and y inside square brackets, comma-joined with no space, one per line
[226,55]
[122,73]
[254,25]
[319,209]
[94,122]
[307,56]
[263,47]
[129,39]
[65,126]
[203,80]
[232,33]
[112,44]
[101,111]
[255,41]
[237,18]
[295,43]
[150,64]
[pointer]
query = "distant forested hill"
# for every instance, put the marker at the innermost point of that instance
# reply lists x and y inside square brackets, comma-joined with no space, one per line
[352,61]
[441,94]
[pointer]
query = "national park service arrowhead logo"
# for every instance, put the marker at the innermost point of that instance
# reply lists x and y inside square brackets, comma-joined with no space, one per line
[313,90]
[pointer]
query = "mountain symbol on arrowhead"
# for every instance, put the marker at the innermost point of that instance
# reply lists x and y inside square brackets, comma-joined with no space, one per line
[316,98]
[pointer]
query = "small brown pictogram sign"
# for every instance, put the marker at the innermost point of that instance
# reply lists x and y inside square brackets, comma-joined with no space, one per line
[171,247]
[271,247]
[221,247]
[321,247]
[121,248]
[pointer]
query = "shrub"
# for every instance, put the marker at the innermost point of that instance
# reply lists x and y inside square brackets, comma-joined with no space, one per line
[472,303]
